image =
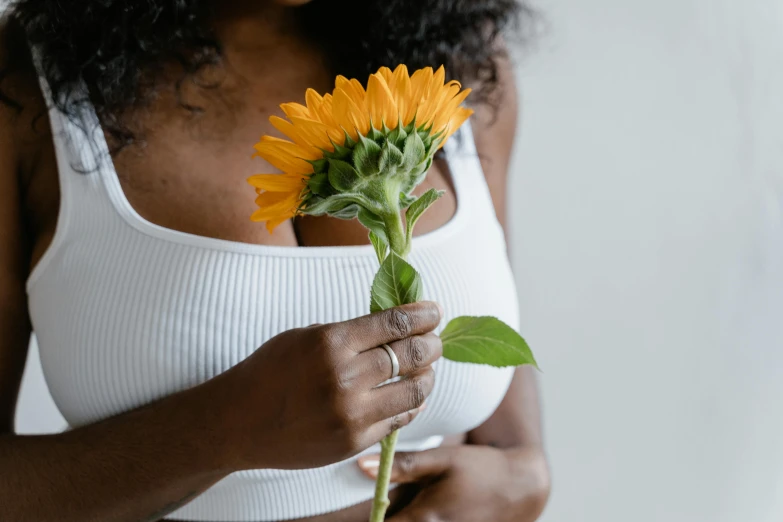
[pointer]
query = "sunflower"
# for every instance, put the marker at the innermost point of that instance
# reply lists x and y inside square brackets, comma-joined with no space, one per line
[358,152]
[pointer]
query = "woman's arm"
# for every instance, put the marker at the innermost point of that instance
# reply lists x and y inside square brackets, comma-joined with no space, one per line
[138,466]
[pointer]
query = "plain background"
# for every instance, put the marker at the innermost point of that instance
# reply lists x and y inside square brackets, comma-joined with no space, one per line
[647,239]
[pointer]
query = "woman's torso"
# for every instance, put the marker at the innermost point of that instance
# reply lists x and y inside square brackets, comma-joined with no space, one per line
[156,281]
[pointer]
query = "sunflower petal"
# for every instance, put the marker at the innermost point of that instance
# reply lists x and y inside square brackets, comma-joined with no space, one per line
[277,182]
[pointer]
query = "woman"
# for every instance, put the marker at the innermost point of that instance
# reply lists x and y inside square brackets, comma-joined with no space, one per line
[211,371]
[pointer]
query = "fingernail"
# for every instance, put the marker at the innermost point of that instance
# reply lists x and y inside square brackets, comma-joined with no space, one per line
[423,406]
[370,465]
[440,308]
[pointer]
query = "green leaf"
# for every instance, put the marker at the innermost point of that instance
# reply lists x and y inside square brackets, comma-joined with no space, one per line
[373,223]
[396,283]
[342,175]
[485,340]
[391,158]
[413,153]
[418,208]
[406,200]
[366,156]
[380,245]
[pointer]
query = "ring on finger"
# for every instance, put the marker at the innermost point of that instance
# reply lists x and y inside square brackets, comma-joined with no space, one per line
[394,361]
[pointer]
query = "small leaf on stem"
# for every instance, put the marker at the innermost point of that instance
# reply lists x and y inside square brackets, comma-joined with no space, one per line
[380,245]
[396,283]
[418,208]
[485,340]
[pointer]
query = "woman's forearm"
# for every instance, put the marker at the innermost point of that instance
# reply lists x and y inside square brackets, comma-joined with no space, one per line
[517,421]
[138,466]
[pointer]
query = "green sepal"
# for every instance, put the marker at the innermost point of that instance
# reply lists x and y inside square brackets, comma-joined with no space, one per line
[319,165]
[349,212]
[418,208]
[348,143]
[413,153]
[366,156]
[485,340]
[391,158]
[397,136]
[342,176]
[380,246]
[318,206]
[340,152]
[396,283]
[416,176]
[374,133]
[373,223]
[319,185]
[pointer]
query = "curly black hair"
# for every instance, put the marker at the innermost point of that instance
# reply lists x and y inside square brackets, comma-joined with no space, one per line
[119,47]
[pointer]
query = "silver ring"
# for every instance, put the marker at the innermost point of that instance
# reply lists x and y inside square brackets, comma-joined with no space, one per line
[395,362]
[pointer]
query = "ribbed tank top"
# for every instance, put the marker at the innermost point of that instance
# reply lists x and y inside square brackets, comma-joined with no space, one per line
[126,312]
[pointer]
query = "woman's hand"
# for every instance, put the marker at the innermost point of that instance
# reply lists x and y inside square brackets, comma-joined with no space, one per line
[310,397]
[470,483]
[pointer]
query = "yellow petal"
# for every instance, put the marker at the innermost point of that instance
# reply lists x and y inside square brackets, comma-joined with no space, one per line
[295,109]
[349,115]
[277,182]
[455,123]
[380,102]
[352,87]
[272,224]
[285,155]
[401,89]
[320,132]
[385,73]
[448,108]
[301,135]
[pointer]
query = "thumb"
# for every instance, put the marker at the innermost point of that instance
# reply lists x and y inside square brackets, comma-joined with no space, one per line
[411,466]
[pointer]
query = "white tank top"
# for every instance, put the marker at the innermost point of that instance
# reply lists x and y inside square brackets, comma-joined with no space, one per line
[126,312]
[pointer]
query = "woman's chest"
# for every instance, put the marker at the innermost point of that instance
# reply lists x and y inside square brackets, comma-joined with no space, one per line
[123,324]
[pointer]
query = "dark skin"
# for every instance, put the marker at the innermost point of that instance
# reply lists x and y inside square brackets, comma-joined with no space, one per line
[196,437]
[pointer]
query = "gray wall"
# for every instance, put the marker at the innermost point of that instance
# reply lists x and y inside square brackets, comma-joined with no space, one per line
[648,247]
[647,240]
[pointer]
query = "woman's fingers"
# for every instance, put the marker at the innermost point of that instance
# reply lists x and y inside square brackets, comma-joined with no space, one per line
[412,466]
[394,324]
[372,367]
[391,400]
[380,429]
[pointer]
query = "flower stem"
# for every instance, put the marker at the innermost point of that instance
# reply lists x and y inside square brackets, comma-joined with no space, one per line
[399,244]
[381,501]
[398,240]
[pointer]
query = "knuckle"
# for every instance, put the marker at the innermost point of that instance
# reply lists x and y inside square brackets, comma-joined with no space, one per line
[417,349]
[418,390]
[327,337]
[406,463]
[395,423]
[399,322]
